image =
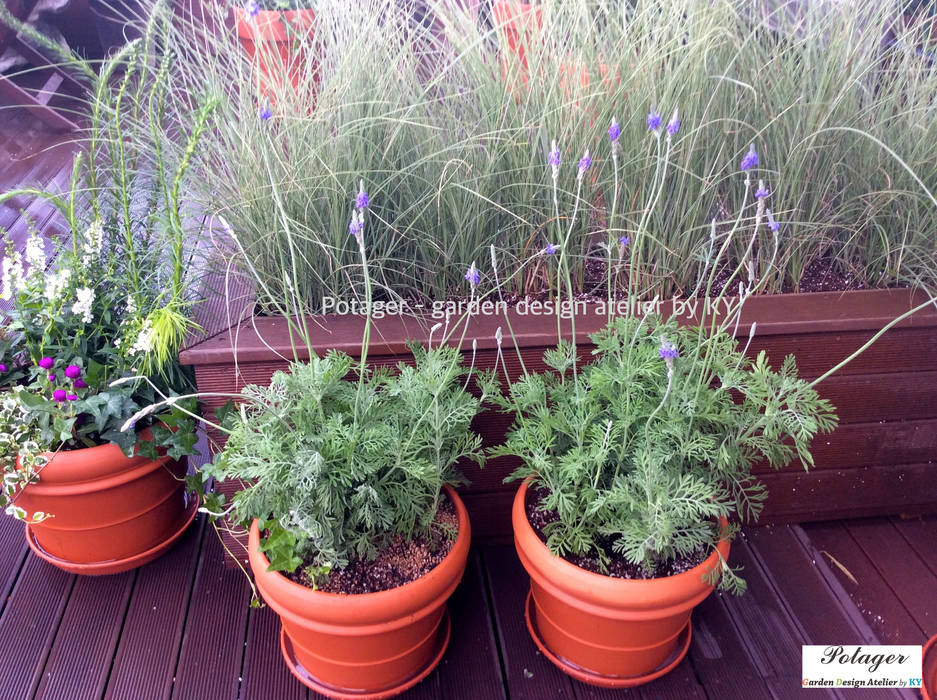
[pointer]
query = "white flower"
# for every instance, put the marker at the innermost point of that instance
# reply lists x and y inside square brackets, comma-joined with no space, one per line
[82,307]
[56,283]
[35,253]
[145,340]
[12,275]
[93,242]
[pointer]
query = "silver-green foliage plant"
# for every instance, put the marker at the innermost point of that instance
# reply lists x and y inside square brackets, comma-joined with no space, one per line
[336,467]
[654,441]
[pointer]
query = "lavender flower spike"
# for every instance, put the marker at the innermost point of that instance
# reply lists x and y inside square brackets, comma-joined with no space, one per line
[554,160]
[356,225]
[251,8]
[673,126]
[668,351]
[750,160]
[624,240]
[584,163]
[265,114]
[653,120]
[362,200]
[551,248]
[762,191]
[614,131]
[772,224]
[472,275]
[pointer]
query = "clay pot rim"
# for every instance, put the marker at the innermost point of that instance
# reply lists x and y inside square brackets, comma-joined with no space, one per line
[599,588]
[930,647]
[361,609]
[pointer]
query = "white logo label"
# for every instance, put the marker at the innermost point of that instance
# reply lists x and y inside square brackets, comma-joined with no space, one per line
[862,666]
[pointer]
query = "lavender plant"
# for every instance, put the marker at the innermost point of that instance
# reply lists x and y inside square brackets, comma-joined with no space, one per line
[641,452]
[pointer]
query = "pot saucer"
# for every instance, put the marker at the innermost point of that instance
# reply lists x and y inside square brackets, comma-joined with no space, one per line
[442,641]
[116,566]
[598,679]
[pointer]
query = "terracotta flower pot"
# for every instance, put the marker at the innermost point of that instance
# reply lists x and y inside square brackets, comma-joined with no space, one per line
[370,645]
[277,43]
[606,631]
[929,691]
[110,513]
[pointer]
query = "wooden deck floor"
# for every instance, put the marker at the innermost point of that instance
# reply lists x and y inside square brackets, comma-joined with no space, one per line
[182,628]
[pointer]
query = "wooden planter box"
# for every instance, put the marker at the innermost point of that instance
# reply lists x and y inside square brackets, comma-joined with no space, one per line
[881,459]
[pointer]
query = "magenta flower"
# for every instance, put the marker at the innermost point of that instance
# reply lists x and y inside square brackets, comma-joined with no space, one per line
[51,377]
[472,276]
[3,367]
[46,363]
[80,384]
[653,120]
[71,397]
[73,371]
[59,395]
[750,160]
[614,131]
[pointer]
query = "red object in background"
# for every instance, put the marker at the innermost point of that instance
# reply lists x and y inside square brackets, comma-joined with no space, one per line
[278,43]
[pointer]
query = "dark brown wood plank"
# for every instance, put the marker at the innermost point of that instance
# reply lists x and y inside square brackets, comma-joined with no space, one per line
[145,660]
[265,673]
[529,676]
[719,657]
[765,626]
[13,552]
[472,662]
[873,596]
[921,534]
[913,582]
[212,652]
[79,662]
[29,624]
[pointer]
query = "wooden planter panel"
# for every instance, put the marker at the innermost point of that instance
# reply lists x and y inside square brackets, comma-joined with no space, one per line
[881,459]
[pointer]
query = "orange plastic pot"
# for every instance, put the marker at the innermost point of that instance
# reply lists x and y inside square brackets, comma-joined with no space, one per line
[277,43]
[601,630]
[370,645]
[929,690]
[110,513]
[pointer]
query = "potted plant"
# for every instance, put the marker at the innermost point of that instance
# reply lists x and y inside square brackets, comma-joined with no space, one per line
[277,36]
[357,537]
[92,337]
[637,466]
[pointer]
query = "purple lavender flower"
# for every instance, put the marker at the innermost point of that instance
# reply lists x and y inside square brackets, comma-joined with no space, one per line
[551,249]
[673,126]
[668,351]
[251,8]
[355,226]
[3,367]
[554,158]
[46,363]
[584,163]
[71,397]
[653,120]
[80,384]
[59,395]
[265,114]
[750,160]
[624,240]
[51,378]
[614,131]
[762,191]
[73,371]
[362,200]
[472,276]
[772,224]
